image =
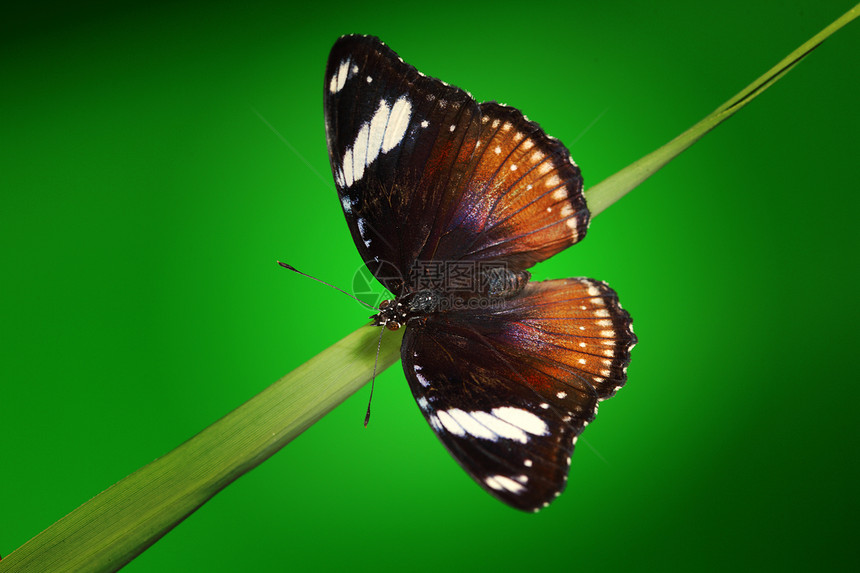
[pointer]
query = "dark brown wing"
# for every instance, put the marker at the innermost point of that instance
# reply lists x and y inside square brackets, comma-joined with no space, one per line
[425,173]
[509,389]
[399,143]
[522,198]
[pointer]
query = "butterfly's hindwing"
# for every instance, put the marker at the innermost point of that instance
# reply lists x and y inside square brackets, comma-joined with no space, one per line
[508,390]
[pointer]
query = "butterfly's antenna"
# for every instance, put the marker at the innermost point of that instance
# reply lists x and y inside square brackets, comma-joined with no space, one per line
[295,270]
[372,380]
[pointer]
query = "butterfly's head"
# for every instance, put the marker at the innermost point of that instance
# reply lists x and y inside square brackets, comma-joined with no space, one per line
[395,313]
[391,315]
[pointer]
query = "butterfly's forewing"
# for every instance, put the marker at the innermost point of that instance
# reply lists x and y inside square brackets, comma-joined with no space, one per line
[425,173]
[522,200]
[399,143]
[509,389]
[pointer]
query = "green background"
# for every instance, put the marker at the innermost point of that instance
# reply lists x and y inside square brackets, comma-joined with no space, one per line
[145,202]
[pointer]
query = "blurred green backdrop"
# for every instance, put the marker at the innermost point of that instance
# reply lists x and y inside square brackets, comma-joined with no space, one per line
[145,201]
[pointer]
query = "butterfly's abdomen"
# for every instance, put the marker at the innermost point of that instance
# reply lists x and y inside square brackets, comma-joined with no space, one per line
[504,283]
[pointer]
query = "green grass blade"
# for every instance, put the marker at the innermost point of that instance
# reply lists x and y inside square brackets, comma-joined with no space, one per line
[611,189]
[118,524]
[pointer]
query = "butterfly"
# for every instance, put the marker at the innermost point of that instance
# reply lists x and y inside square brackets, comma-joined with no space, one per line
[449,202]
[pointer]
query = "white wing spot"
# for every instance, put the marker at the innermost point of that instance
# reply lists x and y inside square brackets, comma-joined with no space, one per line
[398,121]
[422,403]
[562,395]
[369,79]
[499,482]
[514,167]
[347,167]
[498,150]
[377,131]
[471,425]
[500,427]
[451,424]
[581,360]
[347,204]
[425,123]
[381,134]
[362,230]
[560,194]
[421,380]
[365,148]
[493,483]
[522,419]
[360,152]
[452,128]
[528,463]
[339,80]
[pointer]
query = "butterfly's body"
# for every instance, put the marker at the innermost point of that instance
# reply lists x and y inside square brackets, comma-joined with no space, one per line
[449,203]
[492,286]
[395,313]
